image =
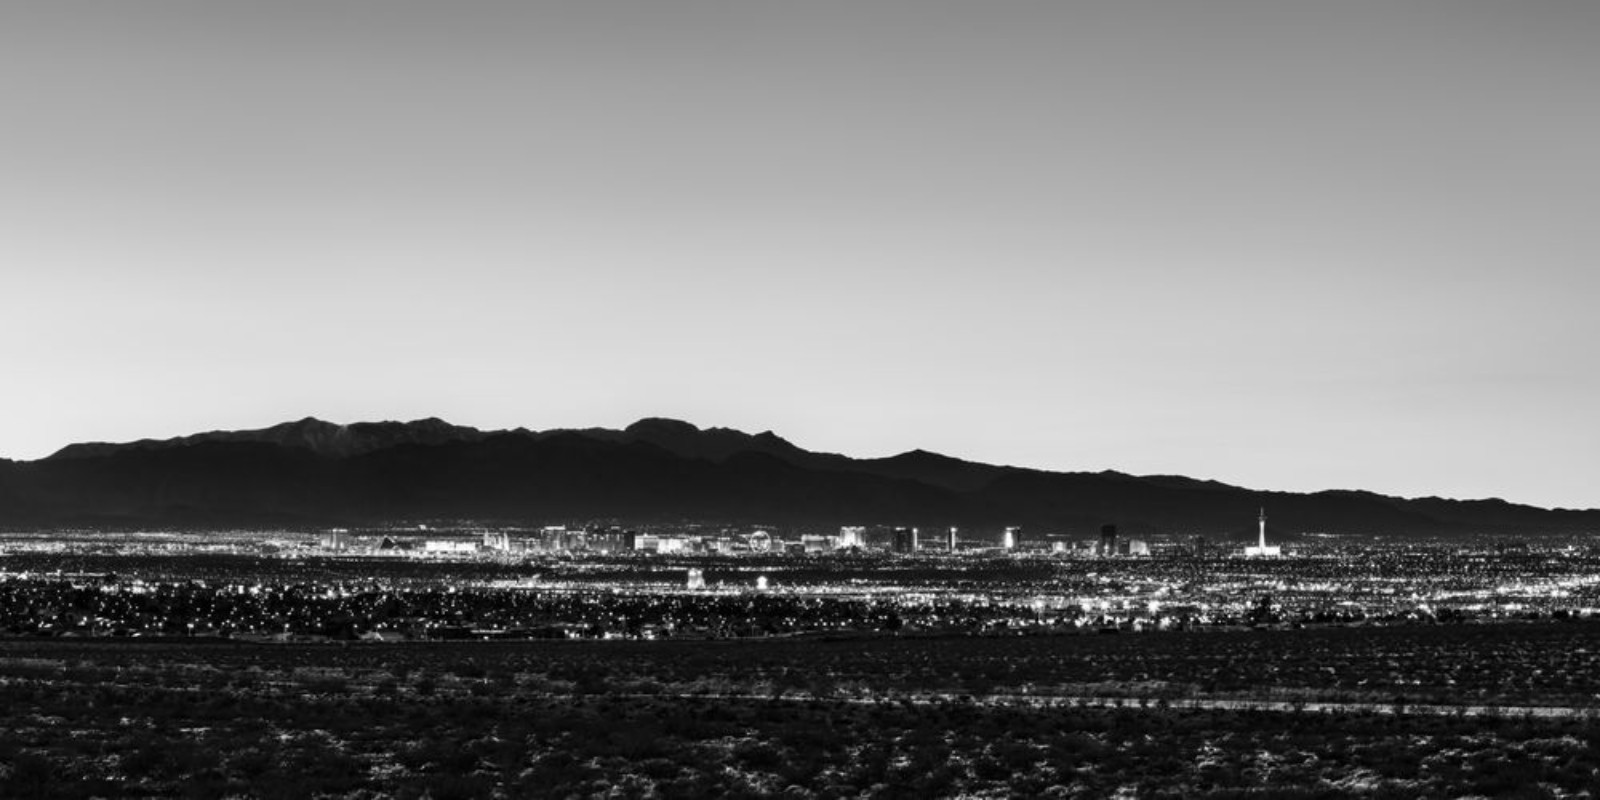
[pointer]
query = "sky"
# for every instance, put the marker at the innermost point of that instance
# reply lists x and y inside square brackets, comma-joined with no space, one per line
[1285,245]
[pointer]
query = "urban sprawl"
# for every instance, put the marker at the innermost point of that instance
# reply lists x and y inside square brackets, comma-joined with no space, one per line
[424,582]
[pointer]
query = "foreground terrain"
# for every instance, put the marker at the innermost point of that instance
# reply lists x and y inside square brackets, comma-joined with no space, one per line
[1508,709]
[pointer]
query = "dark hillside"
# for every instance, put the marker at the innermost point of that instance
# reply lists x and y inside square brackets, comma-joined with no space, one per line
[312,472]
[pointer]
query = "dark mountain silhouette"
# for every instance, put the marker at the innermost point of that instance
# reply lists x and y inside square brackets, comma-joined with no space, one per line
[310,473]
[322,438]
[934,469]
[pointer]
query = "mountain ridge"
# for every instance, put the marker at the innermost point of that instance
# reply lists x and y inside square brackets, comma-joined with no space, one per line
[313,472]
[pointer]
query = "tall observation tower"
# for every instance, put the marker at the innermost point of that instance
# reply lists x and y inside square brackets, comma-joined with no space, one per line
[1261,550]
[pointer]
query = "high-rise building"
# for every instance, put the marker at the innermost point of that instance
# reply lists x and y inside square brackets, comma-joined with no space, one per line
[335,539]
[1108,540]
[950,541]
[449,546]
[609,540]
[816,543]
[553,538]
[905,540]
[658,543]
[1011,537]
[1262,549]
[852,536]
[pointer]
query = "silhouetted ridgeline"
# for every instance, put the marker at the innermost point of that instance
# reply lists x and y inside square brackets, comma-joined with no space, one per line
[315,473]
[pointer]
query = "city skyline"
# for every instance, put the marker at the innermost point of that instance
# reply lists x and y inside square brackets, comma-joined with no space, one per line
[1286,248]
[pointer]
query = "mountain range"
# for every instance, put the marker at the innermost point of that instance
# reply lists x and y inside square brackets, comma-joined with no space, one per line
[314,473]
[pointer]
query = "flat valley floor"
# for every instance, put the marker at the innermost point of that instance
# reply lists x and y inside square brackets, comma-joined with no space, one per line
[1492,710]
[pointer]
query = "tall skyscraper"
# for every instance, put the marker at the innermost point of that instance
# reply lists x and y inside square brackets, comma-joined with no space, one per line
[852,536]
[1011,538]
[1108,540]
[905,540]
[1261,549]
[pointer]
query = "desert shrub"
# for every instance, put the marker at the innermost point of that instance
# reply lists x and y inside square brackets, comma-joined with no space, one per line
[758,755]
[251,762]
[28,775]
[453,787]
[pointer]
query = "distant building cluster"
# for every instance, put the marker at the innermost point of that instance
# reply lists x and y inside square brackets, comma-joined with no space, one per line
[692,540]
[345,584]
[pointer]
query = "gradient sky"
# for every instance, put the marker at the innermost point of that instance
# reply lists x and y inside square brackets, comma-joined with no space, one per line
[1284,245]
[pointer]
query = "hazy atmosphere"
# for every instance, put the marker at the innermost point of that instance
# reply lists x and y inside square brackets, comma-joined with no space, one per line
[1285,246]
